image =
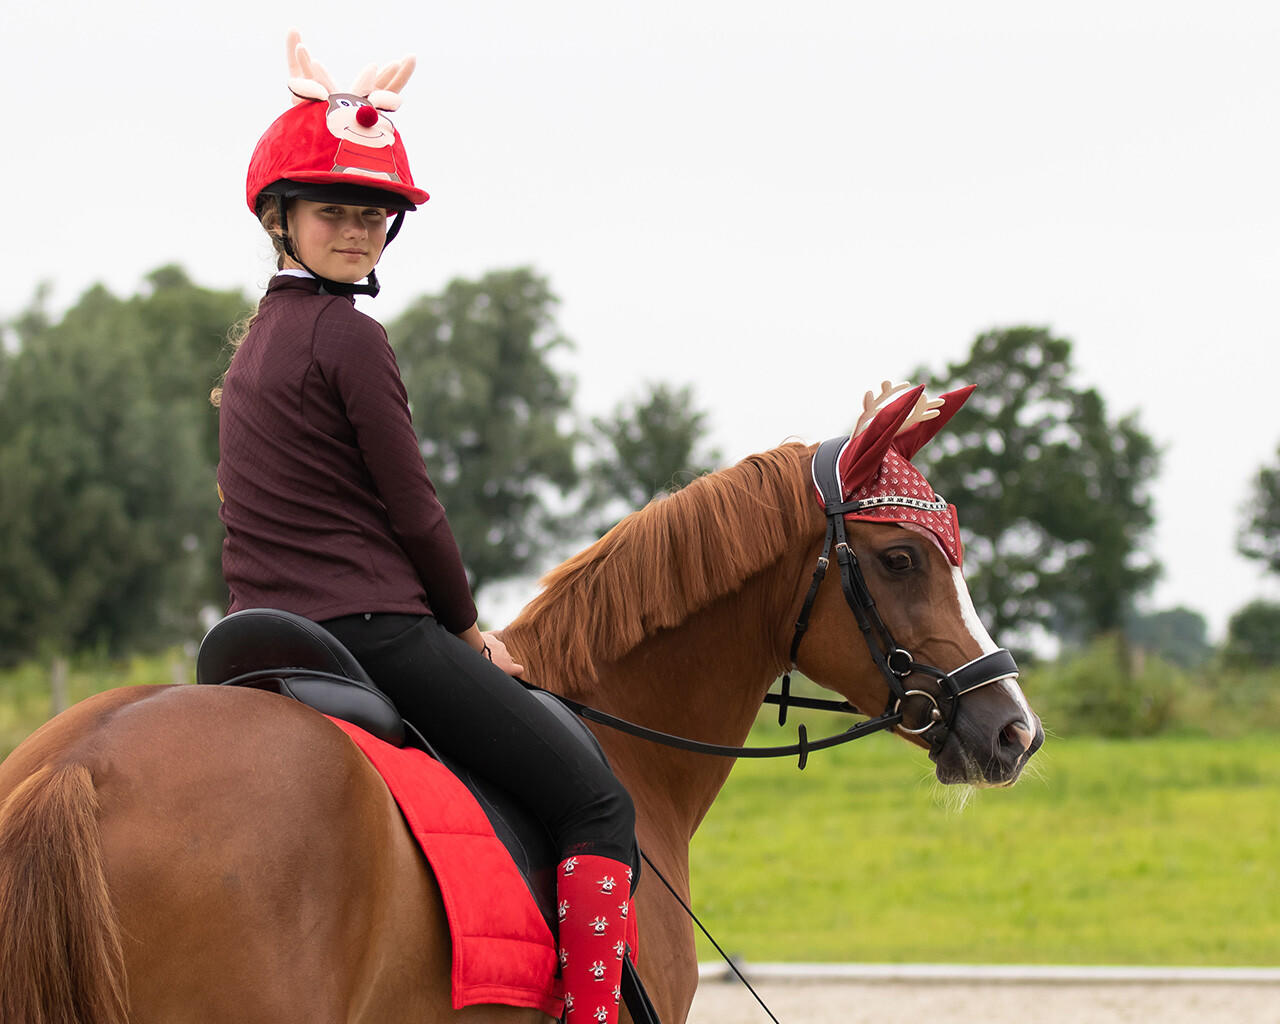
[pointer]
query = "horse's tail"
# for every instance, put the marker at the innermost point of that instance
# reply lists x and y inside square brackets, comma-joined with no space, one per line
[60,955]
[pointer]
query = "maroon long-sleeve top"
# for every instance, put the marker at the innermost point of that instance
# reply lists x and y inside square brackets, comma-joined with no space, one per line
[327,504]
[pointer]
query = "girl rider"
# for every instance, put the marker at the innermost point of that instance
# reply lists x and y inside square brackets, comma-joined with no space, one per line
[330,514]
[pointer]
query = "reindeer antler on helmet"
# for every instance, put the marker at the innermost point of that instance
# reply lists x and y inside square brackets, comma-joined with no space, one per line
[308,79]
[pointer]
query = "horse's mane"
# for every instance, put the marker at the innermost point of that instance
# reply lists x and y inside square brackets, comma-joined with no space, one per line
[661,564]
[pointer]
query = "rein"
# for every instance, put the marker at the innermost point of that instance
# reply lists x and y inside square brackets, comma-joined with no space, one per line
[895,663]
[800,749]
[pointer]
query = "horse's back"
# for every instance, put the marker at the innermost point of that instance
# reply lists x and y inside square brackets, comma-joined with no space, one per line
[258,868]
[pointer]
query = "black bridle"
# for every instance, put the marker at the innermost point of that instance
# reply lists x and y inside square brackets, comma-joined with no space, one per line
[896,664]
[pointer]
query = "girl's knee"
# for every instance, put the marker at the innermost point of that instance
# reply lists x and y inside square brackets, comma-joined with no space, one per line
[621,808]
[603,821]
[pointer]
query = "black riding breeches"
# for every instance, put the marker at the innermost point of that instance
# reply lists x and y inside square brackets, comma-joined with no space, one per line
[472,711]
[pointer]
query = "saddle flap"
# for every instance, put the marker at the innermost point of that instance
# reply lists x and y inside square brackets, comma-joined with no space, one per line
[367,707]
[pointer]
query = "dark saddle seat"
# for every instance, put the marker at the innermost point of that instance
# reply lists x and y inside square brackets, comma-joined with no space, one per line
[275,650]
[287,654]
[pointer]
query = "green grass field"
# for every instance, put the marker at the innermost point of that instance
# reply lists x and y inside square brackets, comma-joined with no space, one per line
[1159,851]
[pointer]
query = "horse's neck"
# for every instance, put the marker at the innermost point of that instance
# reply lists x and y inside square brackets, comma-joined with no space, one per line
[705,680]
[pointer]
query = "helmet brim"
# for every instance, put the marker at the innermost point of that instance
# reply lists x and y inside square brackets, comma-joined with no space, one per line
[342,192]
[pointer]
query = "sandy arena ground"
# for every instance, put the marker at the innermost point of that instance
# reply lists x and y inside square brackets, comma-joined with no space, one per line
[888,1002]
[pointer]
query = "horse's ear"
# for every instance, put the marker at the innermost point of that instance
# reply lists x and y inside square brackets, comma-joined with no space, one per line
[866,450]
[919,434]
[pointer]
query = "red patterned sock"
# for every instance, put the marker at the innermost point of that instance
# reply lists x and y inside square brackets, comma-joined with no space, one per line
[594,894]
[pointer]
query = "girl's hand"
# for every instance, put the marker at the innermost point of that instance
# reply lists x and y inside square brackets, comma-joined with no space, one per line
[492,648]
[496,651]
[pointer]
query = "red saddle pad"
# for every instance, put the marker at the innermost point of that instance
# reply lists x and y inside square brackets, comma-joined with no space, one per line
[503,951]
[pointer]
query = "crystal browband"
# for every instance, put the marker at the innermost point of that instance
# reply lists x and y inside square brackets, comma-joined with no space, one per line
[894,499]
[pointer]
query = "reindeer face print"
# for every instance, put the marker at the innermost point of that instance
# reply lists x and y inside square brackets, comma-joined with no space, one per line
[354,119]
[365,137]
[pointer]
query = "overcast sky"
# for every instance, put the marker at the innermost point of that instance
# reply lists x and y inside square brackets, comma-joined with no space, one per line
[780,204]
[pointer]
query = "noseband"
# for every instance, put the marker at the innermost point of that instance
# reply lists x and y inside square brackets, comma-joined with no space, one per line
[896,663]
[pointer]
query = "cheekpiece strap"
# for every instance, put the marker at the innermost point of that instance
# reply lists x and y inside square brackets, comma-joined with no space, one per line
[826,478]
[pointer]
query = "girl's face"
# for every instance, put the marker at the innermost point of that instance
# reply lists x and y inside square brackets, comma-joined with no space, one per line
[342,243]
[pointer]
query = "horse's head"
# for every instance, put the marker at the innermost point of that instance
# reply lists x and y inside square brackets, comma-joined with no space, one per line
[891,625]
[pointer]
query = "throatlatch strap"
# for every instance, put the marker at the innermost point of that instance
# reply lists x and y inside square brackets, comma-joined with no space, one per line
[819,573]
[824,478]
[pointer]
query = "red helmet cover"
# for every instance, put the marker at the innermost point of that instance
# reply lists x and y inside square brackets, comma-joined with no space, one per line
[299,146]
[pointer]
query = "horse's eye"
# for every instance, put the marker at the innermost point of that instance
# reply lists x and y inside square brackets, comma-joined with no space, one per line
[898,560]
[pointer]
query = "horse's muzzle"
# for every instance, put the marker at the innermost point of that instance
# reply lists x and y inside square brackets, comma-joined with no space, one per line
[985,752]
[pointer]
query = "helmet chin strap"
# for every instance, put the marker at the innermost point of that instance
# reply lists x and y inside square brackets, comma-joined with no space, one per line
[371,287]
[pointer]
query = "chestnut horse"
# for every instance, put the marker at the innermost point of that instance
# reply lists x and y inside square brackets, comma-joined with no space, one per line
[183,853]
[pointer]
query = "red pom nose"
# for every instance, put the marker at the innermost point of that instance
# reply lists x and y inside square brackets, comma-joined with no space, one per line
[366,117]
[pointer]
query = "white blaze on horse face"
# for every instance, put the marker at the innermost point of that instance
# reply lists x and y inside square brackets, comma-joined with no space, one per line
[979,633]
[969,615]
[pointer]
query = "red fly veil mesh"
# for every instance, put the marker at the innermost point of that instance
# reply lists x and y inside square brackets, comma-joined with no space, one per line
[875,464]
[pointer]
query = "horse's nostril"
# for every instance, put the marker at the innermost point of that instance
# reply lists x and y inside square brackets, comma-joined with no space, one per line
[1018,735]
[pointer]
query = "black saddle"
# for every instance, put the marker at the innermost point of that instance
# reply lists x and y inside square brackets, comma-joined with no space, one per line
[288,654]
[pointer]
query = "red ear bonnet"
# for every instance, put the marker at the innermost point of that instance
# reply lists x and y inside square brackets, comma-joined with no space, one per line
[875,467]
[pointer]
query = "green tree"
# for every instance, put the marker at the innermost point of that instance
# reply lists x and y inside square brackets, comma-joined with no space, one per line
[1178,635]
[109,508]
[1053,494]
[651,445]
[494,417]
[1260,537]
[1253,636]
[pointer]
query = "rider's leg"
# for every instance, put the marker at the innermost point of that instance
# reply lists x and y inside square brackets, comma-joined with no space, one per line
[475,712]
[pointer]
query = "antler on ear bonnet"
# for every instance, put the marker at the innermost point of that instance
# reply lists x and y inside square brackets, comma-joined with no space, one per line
[875,467]
[336,139]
